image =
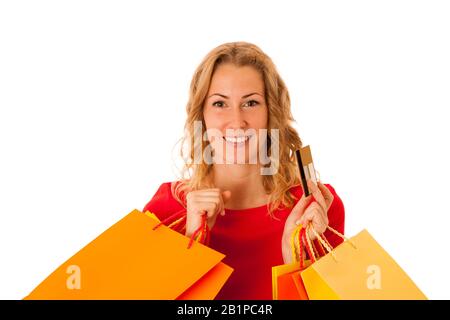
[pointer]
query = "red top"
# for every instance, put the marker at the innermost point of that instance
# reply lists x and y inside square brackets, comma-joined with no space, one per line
[251,241]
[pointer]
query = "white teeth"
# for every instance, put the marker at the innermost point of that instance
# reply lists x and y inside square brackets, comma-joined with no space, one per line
[236,139]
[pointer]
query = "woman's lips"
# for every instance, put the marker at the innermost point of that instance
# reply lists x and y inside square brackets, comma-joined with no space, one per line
[237,141]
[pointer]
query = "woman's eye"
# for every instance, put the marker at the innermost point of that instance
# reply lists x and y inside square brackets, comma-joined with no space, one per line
[218,104]
[252,103]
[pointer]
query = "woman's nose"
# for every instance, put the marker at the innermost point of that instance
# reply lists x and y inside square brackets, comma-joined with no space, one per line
[237,119]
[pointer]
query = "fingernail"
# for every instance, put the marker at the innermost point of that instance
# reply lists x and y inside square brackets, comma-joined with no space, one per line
[297,222]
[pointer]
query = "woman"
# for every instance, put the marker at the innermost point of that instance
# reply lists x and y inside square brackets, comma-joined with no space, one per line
[235,94]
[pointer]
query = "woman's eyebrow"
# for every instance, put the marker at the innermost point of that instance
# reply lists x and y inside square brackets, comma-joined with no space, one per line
[243,97]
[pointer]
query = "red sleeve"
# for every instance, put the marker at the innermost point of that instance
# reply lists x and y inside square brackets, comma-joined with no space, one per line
[163,204]
[336,219]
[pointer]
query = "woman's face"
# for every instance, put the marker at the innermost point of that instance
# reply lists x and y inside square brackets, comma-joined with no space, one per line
[234,112]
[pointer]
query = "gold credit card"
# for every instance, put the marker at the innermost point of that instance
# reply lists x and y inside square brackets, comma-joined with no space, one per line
[306,168]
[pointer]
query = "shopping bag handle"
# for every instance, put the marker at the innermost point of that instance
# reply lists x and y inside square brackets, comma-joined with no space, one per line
[294,237]
[202,234]
[324,242]
[174,219]
[299,235]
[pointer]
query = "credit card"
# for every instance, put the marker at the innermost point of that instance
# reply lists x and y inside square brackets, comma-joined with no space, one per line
[306,168]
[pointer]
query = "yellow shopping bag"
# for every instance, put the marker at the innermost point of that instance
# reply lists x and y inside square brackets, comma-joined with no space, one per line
[358,269]
[131,260]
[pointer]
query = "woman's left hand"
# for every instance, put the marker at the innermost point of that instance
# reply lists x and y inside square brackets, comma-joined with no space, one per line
[315,214]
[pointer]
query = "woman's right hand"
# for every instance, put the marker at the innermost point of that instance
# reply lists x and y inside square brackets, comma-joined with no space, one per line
[206,201]
[308,210]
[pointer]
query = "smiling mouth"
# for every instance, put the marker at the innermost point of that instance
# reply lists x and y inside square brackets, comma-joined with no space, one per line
[237,140]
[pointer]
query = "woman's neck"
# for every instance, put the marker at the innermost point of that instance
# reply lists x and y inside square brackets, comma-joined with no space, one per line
[245,183]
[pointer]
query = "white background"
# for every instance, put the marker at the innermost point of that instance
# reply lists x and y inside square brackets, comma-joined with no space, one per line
[93,95]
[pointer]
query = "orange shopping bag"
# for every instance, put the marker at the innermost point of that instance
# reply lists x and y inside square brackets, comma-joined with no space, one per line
[286,281]
[131,260]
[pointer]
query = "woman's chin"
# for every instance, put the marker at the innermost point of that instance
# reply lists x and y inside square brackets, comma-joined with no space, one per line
[245,160]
